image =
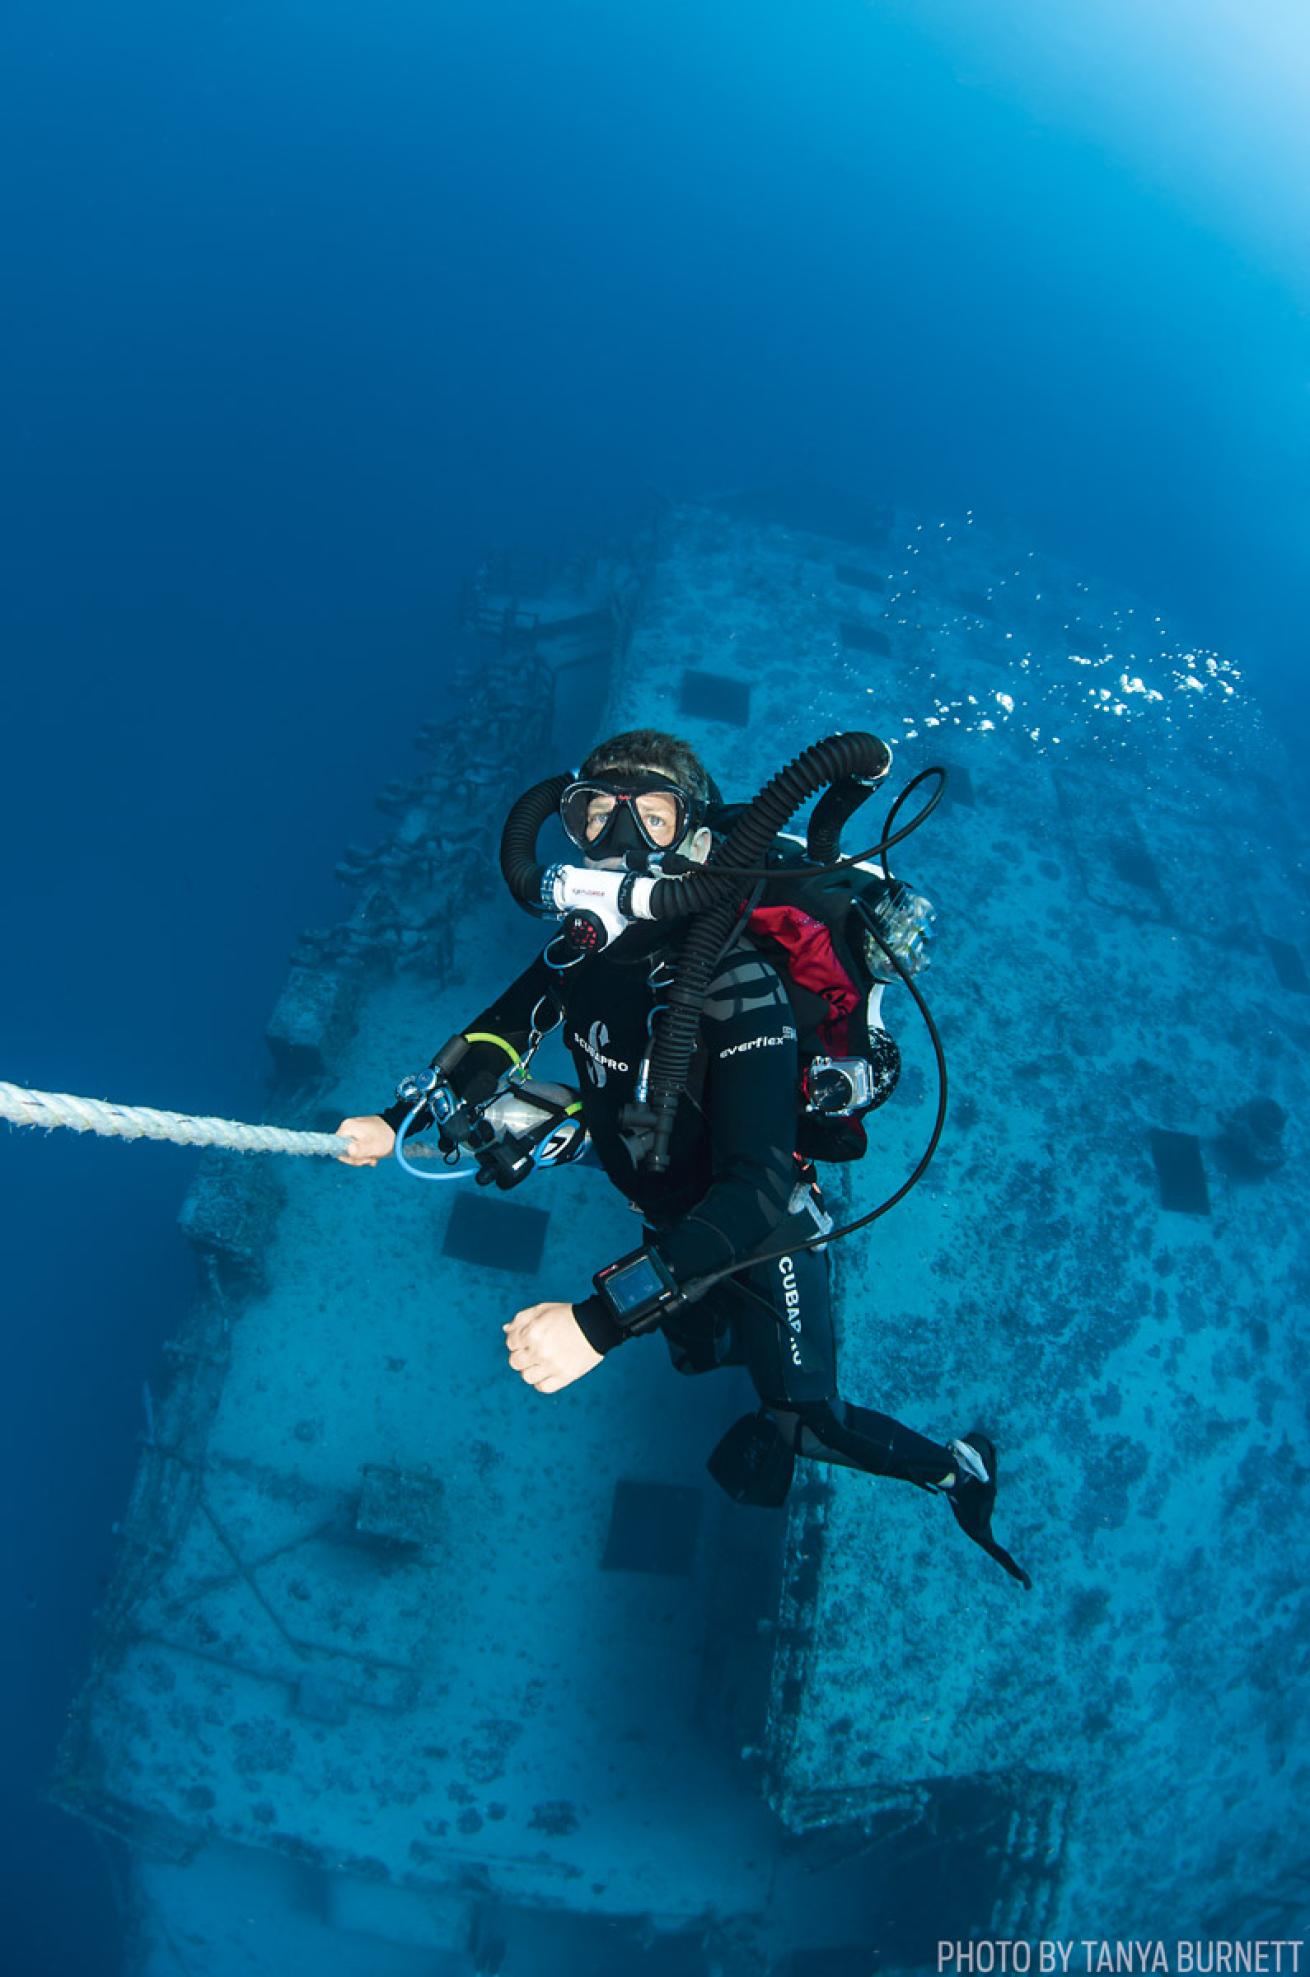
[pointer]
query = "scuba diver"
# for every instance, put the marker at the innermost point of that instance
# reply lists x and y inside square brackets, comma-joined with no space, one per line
[733,1196]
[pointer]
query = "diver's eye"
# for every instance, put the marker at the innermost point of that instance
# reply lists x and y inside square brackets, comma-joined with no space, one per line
[599,811]
[659,815]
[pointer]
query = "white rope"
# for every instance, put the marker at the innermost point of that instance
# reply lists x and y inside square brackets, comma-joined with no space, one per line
[141,1122]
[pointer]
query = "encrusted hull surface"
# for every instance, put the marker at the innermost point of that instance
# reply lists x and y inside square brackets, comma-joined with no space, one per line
[386,1680]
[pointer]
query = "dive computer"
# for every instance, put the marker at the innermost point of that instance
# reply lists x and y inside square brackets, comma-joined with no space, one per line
[638,1290]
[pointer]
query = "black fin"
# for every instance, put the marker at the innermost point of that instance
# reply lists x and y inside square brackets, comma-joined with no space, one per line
[754,1461]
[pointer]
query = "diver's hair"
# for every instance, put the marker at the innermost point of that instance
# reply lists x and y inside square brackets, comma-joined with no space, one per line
[651,748]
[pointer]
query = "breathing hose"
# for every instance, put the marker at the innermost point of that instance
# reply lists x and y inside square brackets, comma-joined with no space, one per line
[522,872]
[832,813]
[838,759]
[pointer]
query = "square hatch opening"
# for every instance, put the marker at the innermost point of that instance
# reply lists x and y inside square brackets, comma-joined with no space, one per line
[495,1235]
[653,1528]
[1182,1177]
[714,697]
[1288,965]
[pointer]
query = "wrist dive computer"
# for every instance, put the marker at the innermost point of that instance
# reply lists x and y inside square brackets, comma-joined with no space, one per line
[638,1290]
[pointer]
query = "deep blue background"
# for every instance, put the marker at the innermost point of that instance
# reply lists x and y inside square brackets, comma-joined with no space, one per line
[306,305]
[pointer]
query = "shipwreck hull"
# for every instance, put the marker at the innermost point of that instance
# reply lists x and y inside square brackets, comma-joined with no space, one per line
[419,1671]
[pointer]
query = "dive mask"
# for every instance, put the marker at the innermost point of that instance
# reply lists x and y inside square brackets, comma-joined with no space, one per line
[607,816]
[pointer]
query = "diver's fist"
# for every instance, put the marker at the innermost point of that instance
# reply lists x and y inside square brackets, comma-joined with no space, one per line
[372,1140]
[548,1347]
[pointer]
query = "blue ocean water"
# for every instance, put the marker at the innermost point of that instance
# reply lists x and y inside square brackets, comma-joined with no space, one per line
[308,306]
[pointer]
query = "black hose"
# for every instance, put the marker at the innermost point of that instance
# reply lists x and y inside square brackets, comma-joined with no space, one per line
[850,862]
[832,813]
[840,757]
[518,841]
[890,837]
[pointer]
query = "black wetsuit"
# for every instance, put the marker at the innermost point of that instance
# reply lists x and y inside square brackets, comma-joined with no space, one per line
[734,1187]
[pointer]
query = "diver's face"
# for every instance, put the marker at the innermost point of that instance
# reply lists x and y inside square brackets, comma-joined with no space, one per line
[658,811]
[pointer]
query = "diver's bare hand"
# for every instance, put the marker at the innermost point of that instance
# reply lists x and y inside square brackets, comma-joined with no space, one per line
[548,1347]
[373,1140]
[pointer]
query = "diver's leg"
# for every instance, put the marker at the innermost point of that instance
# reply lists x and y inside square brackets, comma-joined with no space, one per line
[785,1315]
[861,1438]
[793,1364]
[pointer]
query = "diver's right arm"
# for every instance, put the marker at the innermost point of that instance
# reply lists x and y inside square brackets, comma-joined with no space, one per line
[372,1139]
[503,1032]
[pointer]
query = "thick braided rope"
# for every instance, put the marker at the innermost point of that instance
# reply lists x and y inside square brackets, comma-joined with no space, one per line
[141,1122]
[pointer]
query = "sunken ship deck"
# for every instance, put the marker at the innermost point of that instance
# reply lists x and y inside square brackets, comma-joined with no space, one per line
[408,1669]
